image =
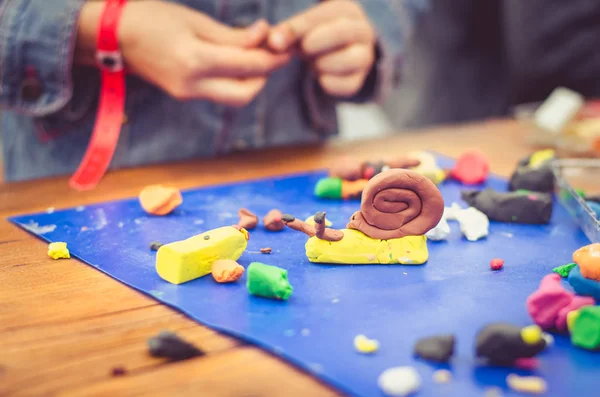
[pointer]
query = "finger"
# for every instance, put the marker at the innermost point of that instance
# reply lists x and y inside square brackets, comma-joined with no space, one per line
[226,91]
[336,34]
[236,62]
[257,33]
[348,60]
[210,30]
[342,86]
[290,31]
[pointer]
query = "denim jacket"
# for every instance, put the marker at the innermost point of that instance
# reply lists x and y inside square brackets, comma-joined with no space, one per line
[46,125]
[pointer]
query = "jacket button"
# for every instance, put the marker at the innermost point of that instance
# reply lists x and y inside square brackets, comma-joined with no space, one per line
[31,89]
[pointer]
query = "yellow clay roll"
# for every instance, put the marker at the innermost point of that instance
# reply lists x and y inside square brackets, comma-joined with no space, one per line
[189,259]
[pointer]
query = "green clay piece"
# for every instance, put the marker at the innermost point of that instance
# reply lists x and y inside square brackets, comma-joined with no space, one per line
[586,328]
[330,188]
[580,193]
[268,281]
[564,270]
[523,191]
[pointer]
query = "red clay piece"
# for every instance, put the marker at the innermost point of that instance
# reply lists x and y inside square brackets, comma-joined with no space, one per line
[471,168]
[497,264]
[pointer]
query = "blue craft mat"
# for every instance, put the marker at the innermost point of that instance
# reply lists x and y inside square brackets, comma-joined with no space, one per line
[455,292]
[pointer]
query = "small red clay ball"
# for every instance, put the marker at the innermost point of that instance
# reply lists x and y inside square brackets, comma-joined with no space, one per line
[497,264]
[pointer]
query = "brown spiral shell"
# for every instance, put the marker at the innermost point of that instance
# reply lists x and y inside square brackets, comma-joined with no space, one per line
[398,203]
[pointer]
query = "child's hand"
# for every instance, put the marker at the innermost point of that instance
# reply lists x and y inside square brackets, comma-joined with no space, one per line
[337,38]
[192,56]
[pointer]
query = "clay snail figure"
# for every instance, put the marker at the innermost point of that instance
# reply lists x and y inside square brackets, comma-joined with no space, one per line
[398,207]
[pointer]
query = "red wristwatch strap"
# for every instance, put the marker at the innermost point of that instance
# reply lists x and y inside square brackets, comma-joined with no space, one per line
[109,117]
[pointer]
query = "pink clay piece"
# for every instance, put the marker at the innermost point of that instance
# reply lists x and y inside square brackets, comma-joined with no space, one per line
[545,304]
[576,303]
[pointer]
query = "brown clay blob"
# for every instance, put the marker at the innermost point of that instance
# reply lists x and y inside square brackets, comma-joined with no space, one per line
[160,200]
[398,203]
[266,250]
[273,221]
[351,169]
[248,220]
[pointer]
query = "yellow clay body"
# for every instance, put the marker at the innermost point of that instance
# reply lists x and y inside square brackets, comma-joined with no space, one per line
[192,258]
[358,248]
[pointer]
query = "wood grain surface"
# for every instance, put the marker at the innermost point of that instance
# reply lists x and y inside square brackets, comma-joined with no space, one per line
[64,325]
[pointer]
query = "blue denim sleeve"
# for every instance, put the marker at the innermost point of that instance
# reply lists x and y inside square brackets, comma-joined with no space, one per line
[37,41]
[393,21]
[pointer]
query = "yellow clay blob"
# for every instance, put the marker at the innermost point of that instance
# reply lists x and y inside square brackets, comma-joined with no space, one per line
[526,384]
[588,259]
[531,334]
[365,345]
[58,250]
[189,259]
[357,248]
[571,318]
[540,157]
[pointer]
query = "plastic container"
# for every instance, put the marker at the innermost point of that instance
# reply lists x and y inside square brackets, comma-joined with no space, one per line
[572,176]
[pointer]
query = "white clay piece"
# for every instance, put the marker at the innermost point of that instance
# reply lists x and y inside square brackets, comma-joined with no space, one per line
[399,381]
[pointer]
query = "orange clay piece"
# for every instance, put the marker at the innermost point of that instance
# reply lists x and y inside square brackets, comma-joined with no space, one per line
[352,189]
[247,219]
[273,221]
[588,259]
[226,270]
[160,200]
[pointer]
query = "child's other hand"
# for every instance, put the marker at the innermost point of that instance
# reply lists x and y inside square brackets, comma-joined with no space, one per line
[192,56]
[337,38]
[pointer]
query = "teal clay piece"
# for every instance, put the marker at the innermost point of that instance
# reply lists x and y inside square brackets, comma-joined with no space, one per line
[268,281]
[586,328]
[564,270]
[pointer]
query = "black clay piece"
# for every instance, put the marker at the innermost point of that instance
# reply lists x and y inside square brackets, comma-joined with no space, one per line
[501,344]
[439,348]
[319,217]
[288,218]
[516,207]
[155,245]
[540,179]
[167,344]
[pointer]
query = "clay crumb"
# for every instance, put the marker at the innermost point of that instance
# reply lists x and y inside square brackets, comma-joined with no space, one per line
[118,371]
[168,345]
[155,245]
[526,384]
[442,376]
[493,392]
[266,250]
[497,264]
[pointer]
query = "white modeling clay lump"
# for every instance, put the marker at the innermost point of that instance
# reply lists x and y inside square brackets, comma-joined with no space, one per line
[440,232]
[474,224]
[399,381]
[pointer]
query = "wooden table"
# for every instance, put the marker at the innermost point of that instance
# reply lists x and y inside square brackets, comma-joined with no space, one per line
[64,325]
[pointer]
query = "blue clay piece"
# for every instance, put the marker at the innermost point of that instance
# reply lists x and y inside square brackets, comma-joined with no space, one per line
[595,207]
[584,286]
